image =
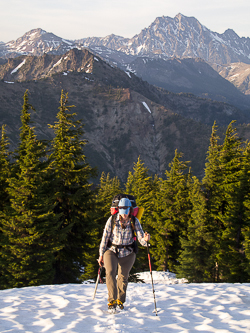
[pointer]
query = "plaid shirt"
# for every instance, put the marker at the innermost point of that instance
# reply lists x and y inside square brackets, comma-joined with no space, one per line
[120,236]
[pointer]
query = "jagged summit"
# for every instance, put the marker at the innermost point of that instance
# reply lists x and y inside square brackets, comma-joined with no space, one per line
[181,37]
[166,37]
[36,42]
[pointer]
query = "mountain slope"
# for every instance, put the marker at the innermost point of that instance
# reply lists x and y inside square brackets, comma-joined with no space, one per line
[189,75]
[166,37]
[124,116]
[181,37]
[35,42]
[238,74]
[92,68]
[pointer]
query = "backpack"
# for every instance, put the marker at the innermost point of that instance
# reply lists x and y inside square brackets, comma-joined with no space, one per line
[117,198]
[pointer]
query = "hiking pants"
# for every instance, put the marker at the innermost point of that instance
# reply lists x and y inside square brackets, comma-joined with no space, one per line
[117,288]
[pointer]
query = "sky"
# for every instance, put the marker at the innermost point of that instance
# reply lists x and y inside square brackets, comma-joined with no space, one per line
[75,19]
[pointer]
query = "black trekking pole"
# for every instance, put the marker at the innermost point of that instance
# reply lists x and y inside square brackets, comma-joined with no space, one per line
[98,279]
[150,268]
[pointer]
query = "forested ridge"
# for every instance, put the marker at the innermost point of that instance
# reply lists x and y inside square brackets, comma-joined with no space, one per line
[52,216]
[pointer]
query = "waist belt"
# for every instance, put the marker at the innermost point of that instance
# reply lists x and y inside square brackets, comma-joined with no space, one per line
[129,246]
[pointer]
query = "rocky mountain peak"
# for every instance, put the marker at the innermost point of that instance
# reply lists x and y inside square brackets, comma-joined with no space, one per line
[36,42]
[166,37]
[25,68]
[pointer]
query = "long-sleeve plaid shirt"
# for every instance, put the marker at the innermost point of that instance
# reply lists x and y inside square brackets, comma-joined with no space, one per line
[120,236]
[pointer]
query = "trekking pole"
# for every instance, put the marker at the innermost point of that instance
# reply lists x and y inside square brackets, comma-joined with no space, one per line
[150,268]
[97,280]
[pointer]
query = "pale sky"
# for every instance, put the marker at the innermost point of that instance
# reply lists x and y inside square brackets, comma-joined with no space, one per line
[75,19]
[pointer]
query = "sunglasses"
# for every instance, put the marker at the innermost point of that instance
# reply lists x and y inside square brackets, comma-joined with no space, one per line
[124,207]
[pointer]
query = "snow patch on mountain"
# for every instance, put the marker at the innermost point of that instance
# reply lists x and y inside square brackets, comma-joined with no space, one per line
[128,74]
[18,67]
[146,106]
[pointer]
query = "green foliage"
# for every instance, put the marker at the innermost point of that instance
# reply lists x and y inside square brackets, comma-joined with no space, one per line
[4,169]
[28,225]
[172,211]
[231,258]
[106,190]
[52,218]
[71,192]
[4,198]
[141,185]
[196,258]
[226,186]
[245,189]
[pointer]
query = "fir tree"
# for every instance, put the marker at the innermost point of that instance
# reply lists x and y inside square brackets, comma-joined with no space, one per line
[172,213]
[4,168]
[141,185]
[225,198]
[231,258]
[4,197]
[72,193]
[245,179]
[107,188]
[196,259]
[29,225]
[214,195]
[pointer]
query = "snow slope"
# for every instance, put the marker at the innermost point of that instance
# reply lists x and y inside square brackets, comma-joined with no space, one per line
[183,307]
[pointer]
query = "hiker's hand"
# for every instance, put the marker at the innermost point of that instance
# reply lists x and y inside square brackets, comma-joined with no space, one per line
[146,237]
[100,261]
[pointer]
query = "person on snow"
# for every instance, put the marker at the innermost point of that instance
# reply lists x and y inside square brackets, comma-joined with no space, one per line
[117,251]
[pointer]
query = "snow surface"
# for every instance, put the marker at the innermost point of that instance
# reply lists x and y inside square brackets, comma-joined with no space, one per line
[18,67]
[128,74]
[182,308]
[146,106]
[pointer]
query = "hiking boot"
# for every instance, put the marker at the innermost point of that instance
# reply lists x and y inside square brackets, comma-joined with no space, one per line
[119,304]
[112,305]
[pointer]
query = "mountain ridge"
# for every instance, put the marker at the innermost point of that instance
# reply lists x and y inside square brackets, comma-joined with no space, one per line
[166,38]
[114,106]
[180,36]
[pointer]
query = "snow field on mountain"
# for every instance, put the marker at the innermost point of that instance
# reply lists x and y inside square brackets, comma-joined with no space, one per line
[182,308]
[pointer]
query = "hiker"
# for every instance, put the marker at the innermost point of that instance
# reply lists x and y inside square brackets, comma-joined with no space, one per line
[117,251]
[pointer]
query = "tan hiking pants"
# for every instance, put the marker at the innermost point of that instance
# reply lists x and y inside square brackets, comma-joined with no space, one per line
[117,288]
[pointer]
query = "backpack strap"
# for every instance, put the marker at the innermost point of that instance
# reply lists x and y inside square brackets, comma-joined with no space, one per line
[132,223]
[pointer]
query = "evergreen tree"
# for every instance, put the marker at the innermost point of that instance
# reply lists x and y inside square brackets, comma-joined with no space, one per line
[231,257]
[214,195]
[196,259]
[141,185]
[245,189]
[72,193]
[108,187]
[4,197]
[28,225]
[225,197]
[172,213]
[4,168]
